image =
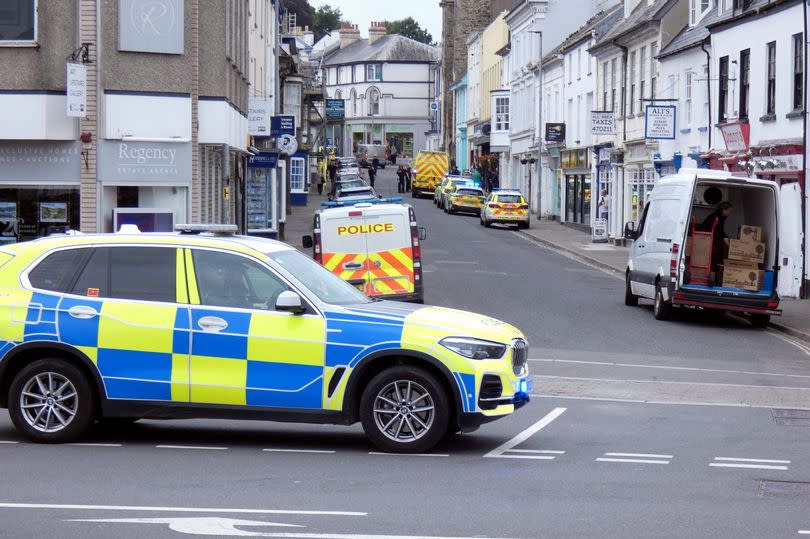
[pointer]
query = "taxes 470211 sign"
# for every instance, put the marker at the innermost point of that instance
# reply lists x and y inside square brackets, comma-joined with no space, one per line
[660,124]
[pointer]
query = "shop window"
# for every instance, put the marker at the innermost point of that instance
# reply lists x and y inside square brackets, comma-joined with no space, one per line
[26,214]
[54,273]
[18,21]
[297,174]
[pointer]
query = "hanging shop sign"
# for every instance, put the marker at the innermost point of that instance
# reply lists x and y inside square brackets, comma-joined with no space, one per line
[259,113]
[660,122]
[555,132]
[282,125]
[335,109]
[287,144]
[736,135]
[76,90]
[603,122]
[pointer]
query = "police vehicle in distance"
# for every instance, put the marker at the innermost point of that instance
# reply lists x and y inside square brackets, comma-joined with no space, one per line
[505,206]
[206,324]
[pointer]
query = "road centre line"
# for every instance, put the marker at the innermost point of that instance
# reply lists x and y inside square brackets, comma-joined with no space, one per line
[527,433]
[9,442]
[632,461]
[804,532]
[541,451]
[324,451]
[640,455]
[747,466]
[509,455]
[89,444]
[671,368]
[191,447]
[380,453]
[219,510]
[763,461]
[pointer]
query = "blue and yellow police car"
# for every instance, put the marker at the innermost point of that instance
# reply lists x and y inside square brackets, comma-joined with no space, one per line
[203,323]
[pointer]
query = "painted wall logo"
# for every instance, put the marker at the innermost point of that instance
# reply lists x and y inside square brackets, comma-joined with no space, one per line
[151,26]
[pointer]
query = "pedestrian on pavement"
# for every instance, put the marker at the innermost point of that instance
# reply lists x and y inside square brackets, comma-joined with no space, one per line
[408,175]
[394,154]
[402,176]
[454,168]
[494,180]
[604,204]
[375,163]
[372,174]
[321,183]
[332,170]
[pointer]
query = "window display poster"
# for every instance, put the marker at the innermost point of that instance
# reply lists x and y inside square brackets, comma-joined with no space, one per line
[53,212]
[258,208]
[8,211]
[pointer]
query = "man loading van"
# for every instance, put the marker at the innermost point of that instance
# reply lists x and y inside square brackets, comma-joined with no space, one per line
[716,223]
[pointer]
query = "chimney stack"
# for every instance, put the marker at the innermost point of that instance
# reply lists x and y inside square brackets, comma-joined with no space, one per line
[376,31]
[348,34]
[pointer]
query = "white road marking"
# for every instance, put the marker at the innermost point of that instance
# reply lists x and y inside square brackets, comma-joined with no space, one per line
[221,510]
[462,262]
[670,403]
[804,532]
[509,455]
[541,451]
[762,461]
[633,461]
[526,434]
[217,526]
[668,367]
[640,455]
[191,447]
[751,466]
[324,451]
[805,349]
[380,453]
[83,444]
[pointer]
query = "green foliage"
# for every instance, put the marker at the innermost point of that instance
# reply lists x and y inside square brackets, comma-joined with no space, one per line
[326,19]
[409,28]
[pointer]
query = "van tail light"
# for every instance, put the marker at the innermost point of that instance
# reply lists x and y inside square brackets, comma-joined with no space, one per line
[416,250]
[673,262]
[523,207]
[317,253]
[493,206]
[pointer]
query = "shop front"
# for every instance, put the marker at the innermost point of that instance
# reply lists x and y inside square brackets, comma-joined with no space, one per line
[146,184]
[576,170]
[263,196]
[640,178]
[401,138]
[39,189]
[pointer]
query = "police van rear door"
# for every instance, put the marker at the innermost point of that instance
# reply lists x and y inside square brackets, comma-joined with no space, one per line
[345,252]
[390,250]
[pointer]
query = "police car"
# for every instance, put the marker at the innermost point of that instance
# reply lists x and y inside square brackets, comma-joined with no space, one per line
[465,199]
[505,206]
[99,327]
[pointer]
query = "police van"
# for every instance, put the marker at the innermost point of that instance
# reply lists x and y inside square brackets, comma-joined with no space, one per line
[374,247]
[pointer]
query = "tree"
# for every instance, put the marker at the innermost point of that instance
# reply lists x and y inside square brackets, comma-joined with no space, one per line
[409,28]
[325,19]
[302,9]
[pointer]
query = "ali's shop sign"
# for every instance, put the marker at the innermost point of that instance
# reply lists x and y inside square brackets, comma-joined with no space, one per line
[157,162]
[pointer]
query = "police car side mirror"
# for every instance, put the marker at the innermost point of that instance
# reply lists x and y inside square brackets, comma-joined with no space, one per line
[306,241]
[289,302]
[422,233]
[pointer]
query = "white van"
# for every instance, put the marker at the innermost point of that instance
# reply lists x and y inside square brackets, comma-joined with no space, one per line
[375,247]
[662,264]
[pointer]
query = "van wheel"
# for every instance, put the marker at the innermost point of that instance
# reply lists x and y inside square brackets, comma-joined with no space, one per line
[662,310]
[630,299]
[51,401]
[404,410]
[760,321]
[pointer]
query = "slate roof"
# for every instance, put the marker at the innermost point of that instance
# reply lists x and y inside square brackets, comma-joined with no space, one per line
[388,48]
[691,36]
[640,16]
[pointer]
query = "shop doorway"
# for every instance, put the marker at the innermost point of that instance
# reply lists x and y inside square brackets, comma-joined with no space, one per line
[578,198]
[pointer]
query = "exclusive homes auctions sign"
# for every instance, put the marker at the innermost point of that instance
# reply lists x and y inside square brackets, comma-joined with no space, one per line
[603,122]
[154,162]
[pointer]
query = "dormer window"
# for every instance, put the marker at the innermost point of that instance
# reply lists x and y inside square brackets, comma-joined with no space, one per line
[697,10]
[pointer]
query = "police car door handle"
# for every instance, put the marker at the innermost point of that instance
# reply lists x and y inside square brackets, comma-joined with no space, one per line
[82,312]
[212,324]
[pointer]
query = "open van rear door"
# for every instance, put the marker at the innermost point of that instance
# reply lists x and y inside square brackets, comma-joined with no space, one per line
[791,237]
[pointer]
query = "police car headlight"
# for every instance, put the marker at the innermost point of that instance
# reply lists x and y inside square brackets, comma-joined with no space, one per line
[474,348]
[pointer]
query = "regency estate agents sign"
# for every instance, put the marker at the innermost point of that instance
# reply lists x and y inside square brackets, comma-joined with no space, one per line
[124,162]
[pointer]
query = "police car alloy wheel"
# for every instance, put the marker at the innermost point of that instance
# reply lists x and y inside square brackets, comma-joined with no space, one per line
[51,401]
[405,410]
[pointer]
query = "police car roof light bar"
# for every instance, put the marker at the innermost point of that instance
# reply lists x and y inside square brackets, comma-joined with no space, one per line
[340,204]
[197,228]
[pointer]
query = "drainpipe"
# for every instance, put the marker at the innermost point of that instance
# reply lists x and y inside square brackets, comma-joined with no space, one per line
[621,200]
[804,281]
[709,90]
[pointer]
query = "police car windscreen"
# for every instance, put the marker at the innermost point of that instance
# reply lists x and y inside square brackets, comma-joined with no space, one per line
[510,199]
[327,286]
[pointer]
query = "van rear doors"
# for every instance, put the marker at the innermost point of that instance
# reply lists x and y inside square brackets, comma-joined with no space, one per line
[789,277]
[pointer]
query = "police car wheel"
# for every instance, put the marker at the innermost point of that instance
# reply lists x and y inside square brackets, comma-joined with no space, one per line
[404,410]
[51,401]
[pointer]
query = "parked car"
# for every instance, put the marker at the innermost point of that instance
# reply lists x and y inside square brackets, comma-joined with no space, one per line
[677,261]
[366,153]
[346,181]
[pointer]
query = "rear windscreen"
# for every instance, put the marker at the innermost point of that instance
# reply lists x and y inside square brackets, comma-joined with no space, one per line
[510,199]
[469,192]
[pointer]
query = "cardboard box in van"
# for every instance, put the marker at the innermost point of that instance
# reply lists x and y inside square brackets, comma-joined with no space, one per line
[742,275]
[750,234]
[746,251]
[701,250]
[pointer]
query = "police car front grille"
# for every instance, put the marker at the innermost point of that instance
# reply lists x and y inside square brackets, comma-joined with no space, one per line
[520,356]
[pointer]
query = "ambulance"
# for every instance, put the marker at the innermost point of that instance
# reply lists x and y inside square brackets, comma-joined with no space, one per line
[374,247]
[430,168]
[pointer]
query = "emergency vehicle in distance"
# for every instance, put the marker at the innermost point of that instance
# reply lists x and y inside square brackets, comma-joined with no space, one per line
[374,247]
[429,168]
[117,327]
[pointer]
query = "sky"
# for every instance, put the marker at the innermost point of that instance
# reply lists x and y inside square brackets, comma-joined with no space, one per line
[361,12]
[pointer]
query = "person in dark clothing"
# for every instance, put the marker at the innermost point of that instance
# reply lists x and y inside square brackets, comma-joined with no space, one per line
[372,175]
[375,163]
[402,176]
[332,170]
[454,168]
[494,181]
[717,221]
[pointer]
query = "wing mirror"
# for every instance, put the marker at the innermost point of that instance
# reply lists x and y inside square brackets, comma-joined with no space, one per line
[631,230]
[422,233]
[289,302]
[306,241]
